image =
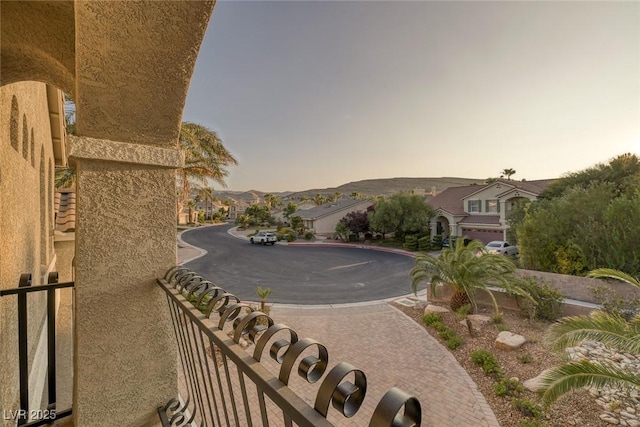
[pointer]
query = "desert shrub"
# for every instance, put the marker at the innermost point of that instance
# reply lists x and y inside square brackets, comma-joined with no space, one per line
[507,387]
[454,342]
[290,237]
[547,300]
[463,311]
[430,319]
[525,358]
[528,408]
[487,361]
[446,333]
[626,308]
[440,326]
[531,423]
[308,235]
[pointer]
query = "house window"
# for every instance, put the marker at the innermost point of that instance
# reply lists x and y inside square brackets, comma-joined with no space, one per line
[474,206]
[493,206]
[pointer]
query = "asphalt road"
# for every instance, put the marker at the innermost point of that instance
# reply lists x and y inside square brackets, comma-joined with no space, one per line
[298,274]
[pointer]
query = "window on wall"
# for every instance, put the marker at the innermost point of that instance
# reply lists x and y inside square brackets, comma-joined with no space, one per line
[14,130]
[25,137]
[474,206]
[493,206]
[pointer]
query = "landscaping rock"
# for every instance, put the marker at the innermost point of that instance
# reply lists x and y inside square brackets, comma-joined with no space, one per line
[534,384]
[435,309]
[477,321]
[509,341]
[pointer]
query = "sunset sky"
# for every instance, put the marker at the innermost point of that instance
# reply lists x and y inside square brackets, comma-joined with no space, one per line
[316,94]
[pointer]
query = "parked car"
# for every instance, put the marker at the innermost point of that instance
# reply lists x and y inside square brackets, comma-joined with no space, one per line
[501,247]
[445,242]
[263,238]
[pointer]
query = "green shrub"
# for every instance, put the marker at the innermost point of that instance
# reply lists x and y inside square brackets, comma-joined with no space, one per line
[531,423]
[430,319]
[487,361]
[525,358]
[463,311]
[410,242]
[440,326]
[507,387]
[547,300]
[454,342]
[308,235]
[528,408]
[446,333]
[424,243]
[290,237]
[626,308]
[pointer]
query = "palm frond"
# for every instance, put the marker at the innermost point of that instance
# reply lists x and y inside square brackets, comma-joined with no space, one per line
[573,375]
[612,331]
[614,274]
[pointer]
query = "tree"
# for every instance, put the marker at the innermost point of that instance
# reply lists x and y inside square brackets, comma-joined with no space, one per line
[508,173]
[297,224]
[611,330]
[206,194]
[258,213]
[342,231]
[289,209]
[357,222]
[467,269]
[622,171]
[320,199]
[584,229]
[401,213]
[271,200]
[355,195]
[205,158]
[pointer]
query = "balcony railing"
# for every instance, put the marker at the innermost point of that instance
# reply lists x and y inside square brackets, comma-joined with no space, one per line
[227,381]
[24,415]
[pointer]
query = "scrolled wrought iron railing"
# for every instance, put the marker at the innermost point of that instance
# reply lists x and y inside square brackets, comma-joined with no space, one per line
[226,384]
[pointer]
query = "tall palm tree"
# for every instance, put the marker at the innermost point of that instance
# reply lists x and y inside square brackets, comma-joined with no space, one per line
[467,269]
[206,193]
[205,158]
[508,172]
[609,329]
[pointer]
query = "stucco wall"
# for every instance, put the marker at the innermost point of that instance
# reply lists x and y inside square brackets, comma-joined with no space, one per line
[26,218]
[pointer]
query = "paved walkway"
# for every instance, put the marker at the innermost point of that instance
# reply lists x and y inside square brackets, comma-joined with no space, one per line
[393,351]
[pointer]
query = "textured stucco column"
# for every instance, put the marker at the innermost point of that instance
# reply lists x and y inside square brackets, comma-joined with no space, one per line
[125,239]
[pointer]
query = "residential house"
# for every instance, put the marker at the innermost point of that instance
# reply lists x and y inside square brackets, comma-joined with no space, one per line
[322,220]
[481,211]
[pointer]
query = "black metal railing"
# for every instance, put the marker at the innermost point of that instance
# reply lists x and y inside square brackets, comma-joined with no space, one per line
[26,416]
[226,383]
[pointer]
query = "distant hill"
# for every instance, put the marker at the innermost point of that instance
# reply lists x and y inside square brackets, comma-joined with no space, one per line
[367,187]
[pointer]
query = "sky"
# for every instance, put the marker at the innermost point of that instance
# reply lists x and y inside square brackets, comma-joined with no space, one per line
[315,94]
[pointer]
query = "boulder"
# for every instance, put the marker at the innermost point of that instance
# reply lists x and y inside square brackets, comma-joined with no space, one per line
[509,341]
[477,321]
[534,384]
[435,309]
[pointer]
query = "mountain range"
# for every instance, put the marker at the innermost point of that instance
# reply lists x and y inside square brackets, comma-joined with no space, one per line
[367,187]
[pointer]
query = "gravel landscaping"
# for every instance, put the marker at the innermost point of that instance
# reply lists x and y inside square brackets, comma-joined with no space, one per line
[578,408]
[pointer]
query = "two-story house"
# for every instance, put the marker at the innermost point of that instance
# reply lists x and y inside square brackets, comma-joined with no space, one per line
[481,211]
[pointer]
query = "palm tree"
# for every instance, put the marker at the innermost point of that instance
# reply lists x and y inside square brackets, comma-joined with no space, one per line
[205,158]
[508,172]
[467,269]
[319,199]
[609,329]
[206,193]
[65,177]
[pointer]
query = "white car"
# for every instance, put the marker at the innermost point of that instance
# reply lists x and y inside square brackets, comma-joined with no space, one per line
[501,247]
[263,238]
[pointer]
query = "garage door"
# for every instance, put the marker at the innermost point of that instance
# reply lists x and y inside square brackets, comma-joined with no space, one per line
[485,236]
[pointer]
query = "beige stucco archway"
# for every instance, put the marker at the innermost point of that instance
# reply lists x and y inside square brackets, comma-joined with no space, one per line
[127,65]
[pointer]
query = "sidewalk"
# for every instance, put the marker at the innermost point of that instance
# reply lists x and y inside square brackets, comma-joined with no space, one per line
[393,351]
